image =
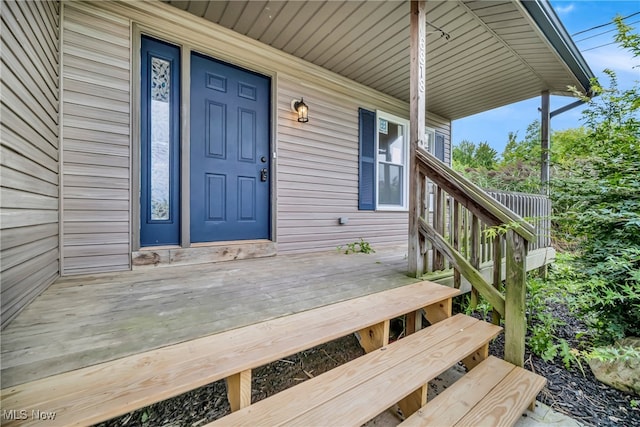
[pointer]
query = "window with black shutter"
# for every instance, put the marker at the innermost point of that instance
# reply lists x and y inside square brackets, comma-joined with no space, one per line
[367,160]
[383,161]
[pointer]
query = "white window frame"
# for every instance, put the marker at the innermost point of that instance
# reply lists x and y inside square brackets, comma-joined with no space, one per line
[405,194]
[429,144]
[429,140]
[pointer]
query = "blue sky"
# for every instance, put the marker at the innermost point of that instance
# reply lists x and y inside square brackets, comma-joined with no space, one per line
[577,15]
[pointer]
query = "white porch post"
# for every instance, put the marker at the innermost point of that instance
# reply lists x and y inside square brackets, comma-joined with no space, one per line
[545,118]
[417,116]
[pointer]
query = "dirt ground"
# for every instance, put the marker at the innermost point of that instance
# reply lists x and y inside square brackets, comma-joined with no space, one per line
[581,397]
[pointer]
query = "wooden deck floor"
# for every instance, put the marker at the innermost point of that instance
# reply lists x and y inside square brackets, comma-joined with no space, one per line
[84,320]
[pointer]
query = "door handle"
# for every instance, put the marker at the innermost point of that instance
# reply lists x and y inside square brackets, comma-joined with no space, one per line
[263,175]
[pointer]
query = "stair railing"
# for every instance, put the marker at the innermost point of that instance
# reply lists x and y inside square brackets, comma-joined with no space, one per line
[535,208]
[460,227]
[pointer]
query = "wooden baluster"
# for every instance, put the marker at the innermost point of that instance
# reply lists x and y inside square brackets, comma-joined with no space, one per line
[441,223]
[520,206]
[475,255]
[480,243]
[485,241]
[424,203]
[490,246]
[435,225]
[447,232]
[456,240]
[540,213]
[546,224]
[497,273]
[538,218]
[543,222]
[439,259]
[467,232]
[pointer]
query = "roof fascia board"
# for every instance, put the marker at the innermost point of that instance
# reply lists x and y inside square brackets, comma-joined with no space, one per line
[547,20]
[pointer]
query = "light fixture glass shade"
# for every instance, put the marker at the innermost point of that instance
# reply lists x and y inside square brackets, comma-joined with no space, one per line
[303,111]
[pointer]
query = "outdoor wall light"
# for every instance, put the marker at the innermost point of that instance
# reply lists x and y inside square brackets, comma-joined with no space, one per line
[301,109]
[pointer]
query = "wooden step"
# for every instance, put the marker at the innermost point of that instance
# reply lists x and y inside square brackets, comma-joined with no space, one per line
[357,391]
[494,393]
[97,393]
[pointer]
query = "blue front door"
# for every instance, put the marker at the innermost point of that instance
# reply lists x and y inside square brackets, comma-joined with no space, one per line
[230,159]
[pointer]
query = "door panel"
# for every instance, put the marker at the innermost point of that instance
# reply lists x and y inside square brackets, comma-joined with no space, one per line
[230,128]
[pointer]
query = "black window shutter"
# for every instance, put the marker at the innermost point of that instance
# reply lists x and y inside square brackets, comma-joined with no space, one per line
[439,146]
[367,161]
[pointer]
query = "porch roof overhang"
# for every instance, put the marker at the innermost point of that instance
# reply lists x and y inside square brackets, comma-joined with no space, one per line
[499,52]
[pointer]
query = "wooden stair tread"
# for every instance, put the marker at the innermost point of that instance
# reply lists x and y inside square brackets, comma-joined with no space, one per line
[97,393]
[494,393]
[354,393]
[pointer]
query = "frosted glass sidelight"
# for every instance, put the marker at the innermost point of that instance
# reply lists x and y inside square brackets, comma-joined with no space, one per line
[160,134]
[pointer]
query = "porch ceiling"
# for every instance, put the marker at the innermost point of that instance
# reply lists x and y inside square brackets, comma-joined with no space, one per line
[499,52]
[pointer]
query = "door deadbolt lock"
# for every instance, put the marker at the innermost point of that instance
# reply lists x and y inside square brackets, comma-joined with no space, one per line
[263,175]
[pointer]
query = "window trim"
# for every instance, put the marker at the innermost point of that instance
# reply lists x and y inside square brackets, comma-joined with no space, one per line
[405,193]
[429,141]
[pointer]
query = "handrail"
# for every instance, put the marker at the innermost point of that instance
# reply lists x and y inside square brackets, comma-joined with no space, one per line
[473,197]
[475,278]
[454,230]
[535,208]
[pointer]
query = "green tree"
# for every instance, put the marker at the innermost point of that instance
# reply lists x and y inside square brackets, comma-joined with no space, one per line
[463,154]
[597,199]
[509,152]
[568,145]
[480,164]
[527,150]
[469,155]
[627,38]
[485,156]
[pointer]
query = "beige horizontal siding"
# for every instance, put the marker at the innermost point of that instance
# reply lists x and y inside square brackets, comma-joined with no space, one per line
[96,140]
[316,165]
[29,180]
[317,180]
[16,237]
